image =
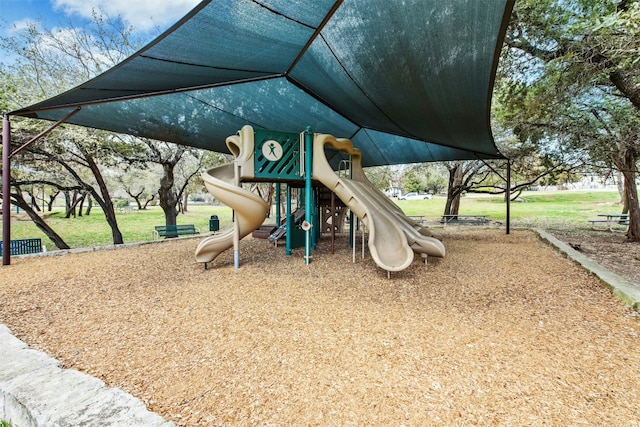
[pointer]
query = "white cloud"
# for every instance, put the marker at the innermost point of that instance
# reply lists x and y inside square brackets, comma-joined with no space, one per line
[23,24]
[142,14]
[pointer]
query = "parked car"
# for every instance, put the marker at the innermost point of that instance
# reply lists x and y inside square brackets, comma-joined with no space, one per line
[414,196]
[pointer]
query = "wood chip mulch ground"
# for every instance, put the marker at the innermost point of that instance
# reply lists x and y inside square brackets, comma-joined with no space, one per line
[503,331]
[612,250]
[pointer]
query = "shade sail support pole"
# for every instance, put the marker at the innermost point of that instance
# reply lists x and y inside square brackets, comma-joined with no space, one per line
[6,190]
[508,214]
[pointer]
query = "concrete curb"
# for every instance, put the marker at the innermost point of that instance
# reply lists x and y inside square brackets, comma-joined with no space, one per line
[621,288]
[62,252]
[36,392]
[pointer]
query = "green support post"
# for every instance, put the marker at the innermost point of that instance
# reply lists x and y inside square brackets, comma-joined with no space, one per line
[289,219]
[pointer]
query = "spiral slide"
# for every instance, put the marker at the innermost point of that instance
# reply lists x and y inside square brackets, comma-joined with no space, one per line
[393,238]
[250,211]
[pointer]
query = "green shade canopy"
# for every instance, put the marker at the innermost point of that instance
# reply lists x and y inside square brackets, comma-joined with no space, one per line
[407,81]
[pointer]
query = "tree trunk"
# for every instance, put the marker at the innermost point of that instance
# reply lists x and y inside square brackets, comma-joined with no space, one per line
[34,201]
[185,202]
[146,202]
[168,197]
[89,204]
[52,200]
[456,174]
[81,203]
[270,194]
[38,221]
[626,163]
[67,204]
[619,180]
[105,201]
[71,203]
[631,191]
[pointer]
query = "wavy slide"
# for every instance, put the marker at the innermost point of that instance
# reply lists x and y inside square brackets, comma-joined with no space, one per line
[393,238]
[250,211]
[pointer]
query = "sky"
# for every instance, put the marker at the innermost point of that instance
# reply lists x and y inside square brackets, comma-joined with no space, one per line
[144,15]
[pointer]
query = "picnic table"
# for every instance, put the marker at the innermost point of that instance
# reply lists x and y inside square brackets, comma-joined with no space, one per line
[420,219]
[611,220]
[468,219]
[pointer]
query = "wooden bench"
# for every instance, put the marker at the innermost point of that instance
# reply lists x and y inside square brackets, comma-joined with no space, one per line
[174,230]
[25,246]
[464,219]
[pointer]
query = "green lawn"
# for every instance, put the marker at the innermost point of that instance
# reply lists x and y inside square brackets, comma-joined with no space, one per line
[535,209]
[136,226]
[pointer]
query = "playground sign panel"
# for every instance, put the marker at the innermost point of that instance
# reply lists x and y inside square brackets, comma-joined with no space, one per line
[277,155]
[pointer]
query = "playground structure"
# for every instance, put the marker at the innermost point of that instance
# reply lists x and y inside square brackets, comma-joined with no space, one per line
[298,159]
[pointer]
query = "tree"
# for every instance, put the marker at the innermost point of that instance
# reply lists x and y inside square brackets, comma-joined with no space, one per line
[412,182]
[18,200]
[382,177]
[424,177]
[79,159]
[139,184]
[571,76]
[47,62]
[140,152]
[463,177]
[52,60]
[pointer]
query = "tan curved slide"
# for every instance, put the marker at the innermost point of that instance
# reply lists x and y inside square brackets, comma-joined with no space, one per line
[250,211]
[393,237]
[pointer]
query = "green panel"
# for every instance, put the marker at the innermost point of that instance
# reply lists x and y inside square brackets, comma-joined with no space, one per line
[277,155]
[297,237]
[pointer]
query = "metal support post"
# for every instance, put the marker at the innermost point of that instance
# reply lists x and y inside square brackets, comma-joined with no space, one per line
[508,219]
[353,236]
[6,190]
[236,225]
[333,222]
[308,196]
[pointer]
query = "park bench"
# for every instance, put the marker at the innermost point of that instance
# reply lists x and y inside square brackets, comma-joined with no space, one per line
[25,246]
[611,220]
[175,230]
[464,219]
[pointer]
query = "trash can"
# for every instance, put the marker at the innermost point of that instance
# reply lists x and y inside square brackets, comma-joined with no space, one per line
[214,223]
